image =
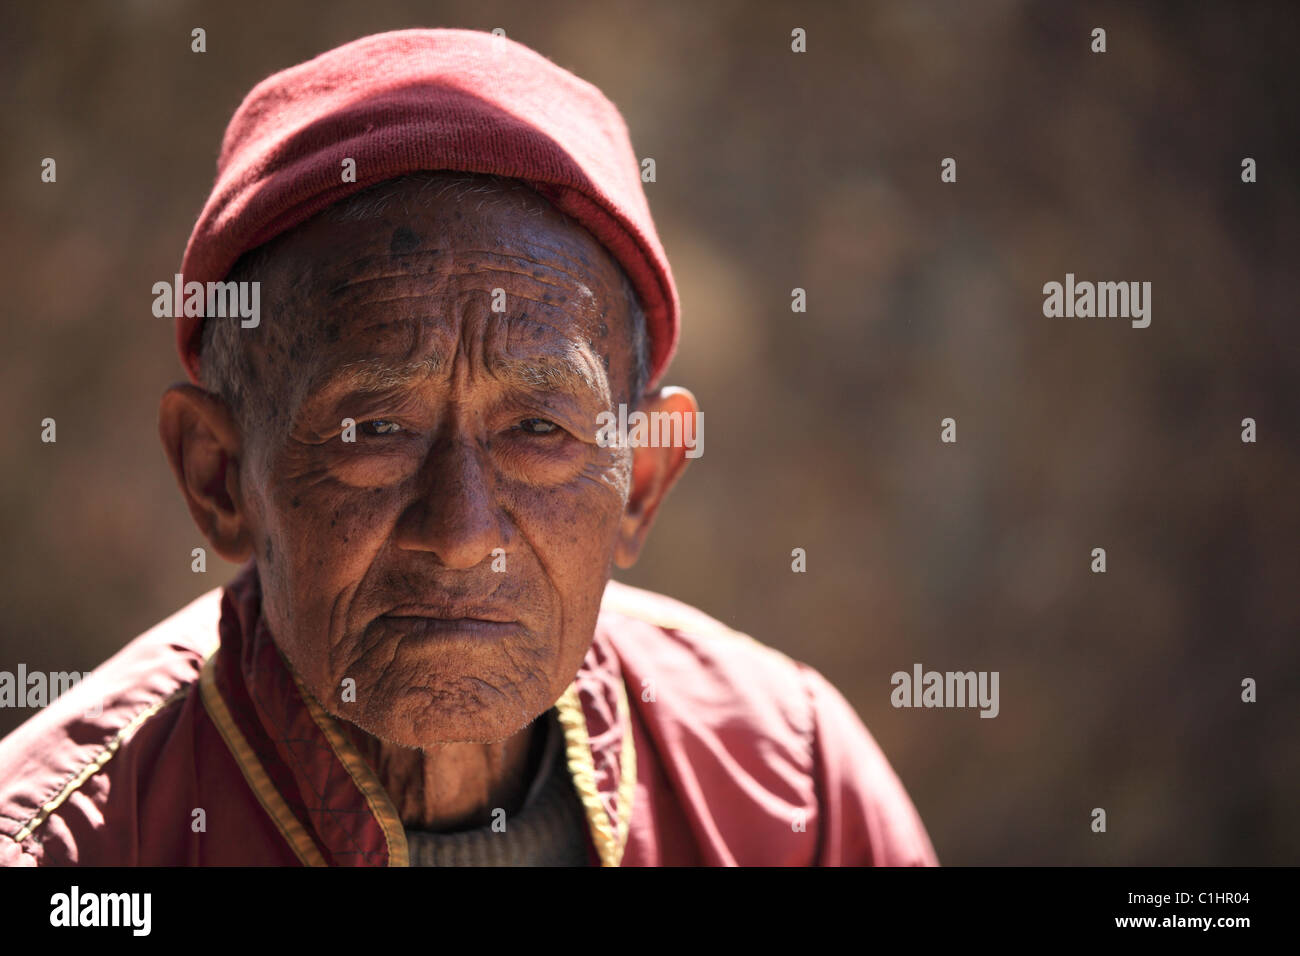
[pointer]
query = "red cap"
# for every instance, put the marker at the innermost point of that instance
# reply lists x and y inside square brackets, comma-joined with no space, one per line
[426,100]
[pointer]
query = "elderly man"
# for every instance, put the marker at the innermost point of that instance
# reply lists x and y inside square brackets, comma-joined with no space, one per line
[423,660]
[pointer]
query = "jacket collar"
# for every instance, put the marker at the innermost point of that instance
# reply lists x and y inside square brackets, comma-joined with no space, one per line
[323,796]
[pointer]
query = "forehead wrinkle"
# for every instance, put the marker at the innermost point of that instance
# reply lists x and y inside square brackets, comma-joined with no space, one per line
[580,277]
[581,272]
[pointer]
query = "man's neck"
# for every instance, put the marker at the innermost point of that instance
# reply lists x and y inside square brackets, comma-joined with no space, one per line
[454,786]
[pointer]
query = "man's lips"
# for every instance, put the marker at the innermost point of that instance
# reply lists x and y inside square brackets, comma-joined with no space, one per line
[488,615]
[443,623]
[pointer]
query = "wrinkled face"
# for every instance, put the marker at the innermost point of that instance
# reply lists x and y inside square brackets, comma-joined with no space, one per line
[451,559]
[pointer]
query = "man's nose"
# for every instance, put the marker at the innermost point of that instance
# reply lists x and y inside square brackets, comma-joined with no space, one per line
[455,516]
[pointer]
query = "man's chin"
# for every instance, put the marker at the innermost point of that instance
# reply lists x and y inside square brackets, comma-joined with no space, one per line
[423,718]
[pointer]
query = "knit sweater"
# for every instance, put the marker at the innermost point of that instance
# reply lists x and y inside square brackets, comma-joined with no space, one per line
[549,830]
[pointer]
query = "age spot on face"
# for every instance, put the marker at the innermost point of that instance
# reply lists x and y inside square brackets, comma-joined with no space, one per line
[404,241]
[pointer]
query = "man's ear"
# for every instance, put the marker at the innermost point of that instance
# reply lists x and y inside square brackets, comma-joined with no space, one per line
[204,445]
[656,469]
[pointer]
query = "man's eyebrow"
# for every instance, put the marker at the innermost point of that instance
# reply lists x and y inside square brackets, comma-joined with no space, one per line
[548,373]
[367,376]
[567,368]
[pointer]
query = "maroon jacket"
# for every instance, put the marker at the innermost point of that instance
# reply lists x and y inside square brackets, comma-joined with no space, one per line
[688,743]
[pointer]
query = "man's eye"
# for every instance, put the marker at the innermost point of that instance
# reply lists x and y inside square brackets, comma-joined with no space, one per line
[379,426]
[537,426]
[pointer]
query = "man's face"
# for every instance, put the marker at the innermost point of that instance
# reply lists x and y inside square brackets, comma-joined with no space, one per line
[450,560]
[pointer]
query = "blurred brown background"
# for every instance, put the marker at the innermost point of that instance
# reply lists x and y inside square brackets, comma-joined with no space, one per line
[819,170]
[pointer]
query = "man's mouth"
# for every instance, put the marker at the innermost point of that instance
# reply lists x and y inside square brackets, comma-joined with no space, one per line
[484,613]
[446,623]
